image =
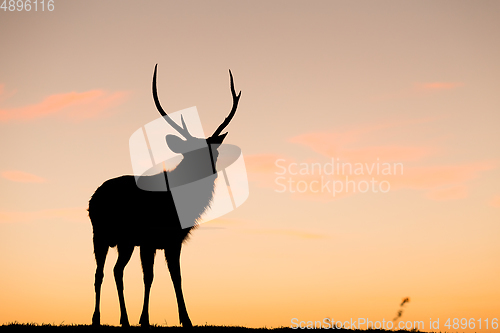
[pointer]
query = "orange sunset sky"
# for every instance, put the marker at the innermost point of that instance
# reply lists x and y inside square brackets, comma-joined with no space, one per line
[413,83]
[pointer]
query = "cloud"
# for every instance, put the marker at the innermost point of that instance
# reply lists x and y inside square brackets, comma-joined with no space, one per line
[284,174]
[340,144]
[333,145]
[65,214]
[4,94]
[448,193]
[419,89]
[248,226]
[434,86]
[438,176]
[261,168]
[72,105]
[22,177]
[219,222]
[354,148]
[445,182]
[261,163]
[286,232]
[495,202]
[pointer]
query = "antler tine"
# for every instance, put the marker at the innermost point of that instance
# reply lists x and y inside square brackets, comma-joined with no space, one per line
[236,99]
[183,131]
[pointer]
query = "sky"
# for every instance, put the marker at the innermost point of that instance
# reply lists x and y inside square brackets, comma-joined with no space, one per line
[401,98]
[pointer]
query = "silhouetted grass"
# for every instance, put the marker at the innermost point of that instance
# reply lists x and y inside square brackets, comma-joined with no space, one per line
[156,328]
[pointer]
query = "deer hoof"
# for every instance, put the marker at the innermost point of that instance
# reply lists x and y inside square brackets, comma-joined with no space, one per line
[124,322]
[144,323]
[186,323]
[96,319]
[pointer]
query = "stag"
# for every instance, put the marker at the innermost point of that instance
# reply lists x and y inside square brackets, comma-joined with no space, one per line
[126,216]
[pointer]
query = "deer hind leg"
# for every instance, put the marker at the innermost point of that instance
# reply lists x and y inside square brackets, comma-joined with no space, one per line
[147,261]
[172,255]
[100,252]
[124,254]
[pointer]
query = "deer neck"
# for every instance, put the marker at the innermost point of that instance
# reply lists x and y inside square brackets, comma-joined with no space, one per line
[195,165]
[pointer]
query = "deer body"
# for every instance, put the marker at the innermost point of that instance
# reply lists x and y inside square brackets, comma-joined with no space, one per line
[126,216]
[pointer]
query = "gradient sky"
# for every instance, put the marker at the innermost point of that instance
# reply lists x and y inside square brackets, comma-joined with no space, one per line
[412,82]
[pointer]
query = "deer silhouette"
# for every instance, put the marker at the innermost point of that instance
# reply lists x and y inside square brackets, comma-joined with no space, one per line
[126,216]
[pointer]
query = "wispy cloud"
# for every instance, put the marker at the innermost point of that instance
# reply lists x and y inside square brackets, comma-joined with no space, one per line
[419,90]
[287,232]
[334,145]
[261,168]
[72,105]
[434,86]
[343,144]
[448,193]
[434,177]
[22,177]
[247,226]
[5,94]
[221,221]
[64,214]
[261,163]
[495,202]
[437,182]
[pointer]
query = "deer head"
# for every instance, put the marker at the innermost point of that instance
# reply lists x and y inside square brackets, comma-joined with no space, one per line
[190,143]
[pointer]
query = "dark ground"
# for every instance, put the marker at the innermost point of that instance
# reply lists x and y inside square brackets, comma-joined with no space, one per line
[105,329]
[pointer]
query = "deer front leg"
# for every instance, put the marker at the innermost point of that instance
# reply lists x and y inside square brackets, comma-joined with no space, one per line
[100,252]
[147,260]
[173,262]
[124,254]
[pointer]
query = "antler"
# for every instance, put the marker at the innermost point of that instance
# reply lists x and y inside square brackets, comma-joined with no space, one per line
[182,130]
[236,98]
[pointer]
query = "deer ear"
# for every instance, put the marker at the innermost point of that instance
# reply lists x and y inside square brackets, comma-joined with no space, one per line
[176,144]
